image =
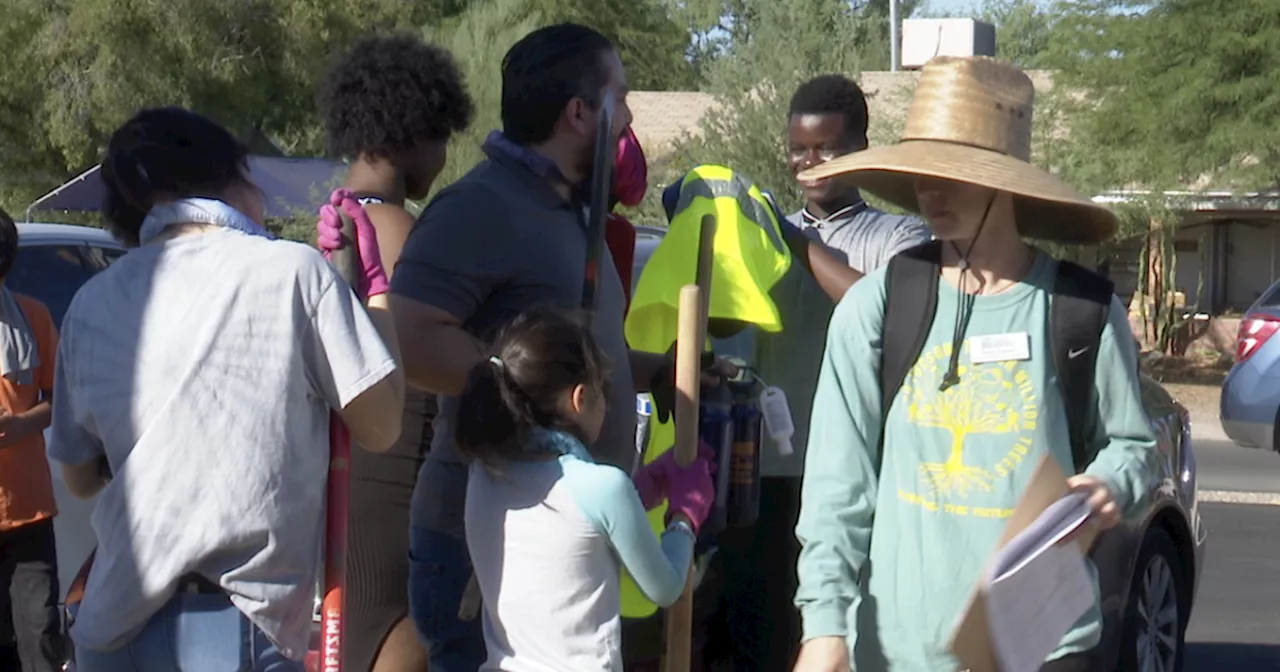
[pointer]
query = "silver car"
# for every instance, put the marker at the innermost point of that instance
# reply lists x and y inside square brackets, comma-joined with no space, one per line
[53,262]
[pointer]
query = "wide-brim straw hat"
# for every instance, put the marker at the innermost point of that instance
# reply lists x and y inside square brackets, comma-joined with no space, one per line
[970,121]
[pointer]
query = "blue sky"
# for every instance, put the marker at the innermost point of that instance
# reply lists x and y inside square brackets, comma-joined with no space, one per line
[958,8]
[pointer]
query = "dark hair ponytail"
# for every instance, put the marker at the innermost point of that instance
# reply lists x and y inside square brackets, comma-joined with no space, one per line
[538,357]
[164,154]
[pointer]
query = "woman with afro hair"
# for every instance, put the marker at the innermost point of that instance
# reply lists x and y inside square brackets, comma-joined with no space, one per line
[391,104]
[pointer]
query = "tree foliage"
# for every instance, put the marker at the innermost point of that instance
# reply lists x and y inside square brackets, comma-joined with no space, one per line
[1180,95]
[76,69]
[1023,27]
[1023,31]
[1161,96]
[726,29]
[768,50]
[651,41]
[479,38]
[87,65]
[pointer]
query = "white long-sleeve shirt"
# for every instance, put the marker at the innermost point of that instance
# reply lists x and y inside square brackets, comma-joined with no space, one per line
[546,538]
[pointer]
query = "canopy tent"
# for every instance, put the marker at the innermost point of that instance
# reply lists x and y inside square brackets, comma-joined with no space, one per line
[289,186]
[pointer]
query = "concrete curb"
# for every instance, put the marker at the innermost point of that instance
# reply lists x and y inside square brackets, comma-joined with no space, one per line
[1207,429]
[1235,497]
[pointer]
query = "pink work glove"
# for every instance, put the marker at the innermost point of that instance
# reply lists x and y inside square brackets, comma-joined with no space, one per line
[691,491]
[653,480]
[373,279]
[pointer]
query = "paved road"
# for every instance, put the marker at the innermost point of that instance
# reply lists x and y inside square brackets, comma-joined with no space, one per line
[1235,624]
[1223,466]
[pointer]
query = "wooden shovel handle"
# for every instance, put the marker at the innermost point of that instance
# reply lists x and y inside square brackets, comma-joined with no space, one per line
[691,335]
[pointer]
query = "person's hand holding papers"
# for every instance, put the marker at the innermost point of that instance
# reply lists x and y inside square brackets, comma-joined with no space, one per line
[1106,513]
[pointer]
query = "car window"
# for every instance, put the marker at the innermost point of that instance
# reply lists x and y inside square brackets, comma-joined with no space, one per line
[102,257]
[50,273]
[1270,298]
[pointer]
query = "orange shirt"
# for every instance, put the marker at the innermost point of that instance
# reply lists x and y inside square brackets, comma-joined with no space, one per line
[26,486]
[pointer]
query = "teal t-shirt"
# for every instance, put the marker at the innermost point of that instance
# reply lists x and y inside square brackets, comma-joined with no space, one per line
[890,561]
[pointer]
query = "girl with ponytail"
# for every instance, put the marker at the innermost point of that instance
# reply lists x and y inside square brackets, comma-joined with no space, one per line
[546,526]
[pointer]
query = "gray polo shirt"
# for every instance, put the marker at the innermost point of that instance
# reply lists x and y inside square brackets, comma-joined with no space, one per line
[791,359]
[491,245]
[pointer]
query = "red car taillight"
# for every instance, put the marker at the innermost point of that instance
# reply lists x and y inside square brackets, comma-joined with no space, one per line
[1254,331]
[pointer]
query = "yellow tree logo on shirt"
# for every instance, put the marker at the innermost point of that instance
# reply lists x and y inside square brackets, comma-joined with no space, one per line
[985,401]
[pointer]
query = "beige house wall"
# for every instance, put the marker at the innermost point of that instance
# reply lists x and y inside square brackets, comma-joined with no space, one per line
[662,117]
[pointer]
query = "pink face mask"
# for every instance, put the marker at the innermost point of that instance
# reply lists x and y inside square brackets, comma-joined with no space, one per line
[631,175]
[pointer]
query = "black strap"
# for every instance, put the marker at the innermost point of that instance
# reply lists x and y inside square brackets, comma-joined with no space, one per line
[597,213]
[912,277]
[1077,316]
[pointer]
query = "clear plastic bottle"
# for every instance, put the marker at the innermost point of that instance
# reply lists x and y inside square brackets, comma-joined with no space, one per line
[777,419]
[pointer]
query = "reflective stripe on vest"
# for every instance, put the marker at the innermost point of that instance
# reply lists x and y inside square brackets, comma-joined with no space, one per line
[749,199]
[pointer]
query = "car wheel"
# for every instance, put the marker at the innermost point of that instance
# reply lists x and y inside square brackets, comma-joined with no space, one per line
[1159,605]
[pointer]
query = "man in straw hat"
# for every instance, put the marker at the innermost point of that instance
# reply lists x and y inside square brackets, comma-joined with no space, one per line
[900,510]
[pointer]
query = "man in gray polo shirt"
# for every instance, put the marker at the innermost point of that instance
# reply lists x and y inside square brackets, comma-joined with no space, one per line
[507,236]
[827,118]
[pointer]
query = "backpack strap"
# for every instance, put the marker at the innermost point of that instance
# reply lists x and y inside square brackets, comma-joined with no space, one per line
[1077,315]
[912,277]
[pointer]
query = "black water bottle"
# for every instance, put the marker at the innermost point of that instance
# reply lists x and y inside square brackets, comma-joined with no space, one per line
[715,426]
[744,479]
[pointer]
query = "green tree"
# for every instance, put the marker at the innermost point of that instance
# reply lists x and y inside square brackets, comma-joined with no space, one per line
[1023,27]
[774,47]
[724,29]
[84,66]
[1023,30]
[479,38]
[1181,95]
[76,69]
[1166,95]
[651,41]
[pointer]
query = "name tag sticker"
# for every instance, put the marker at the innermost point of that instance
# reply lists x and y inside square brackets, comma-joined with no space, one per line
[1000,348]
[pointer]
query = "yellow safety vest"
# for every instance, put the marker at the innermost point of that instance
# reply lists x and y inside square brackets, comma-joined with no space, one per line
[750,257]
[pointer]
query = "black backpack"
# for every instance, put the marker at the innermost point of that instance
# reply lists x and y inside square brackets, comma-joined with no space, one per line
[1077,315]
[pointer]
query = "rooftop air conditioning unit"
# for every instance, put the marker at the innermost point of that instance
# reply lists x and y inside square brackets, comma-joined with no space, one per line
[922,39]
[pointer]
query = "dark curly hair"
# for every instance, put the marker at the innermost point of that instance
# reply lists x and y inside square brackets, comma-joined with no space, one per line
[389,93]
[834,94]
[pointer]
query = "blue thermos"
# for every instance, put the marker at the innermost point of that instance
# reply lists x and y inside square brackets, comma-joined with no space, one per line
[715,427]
